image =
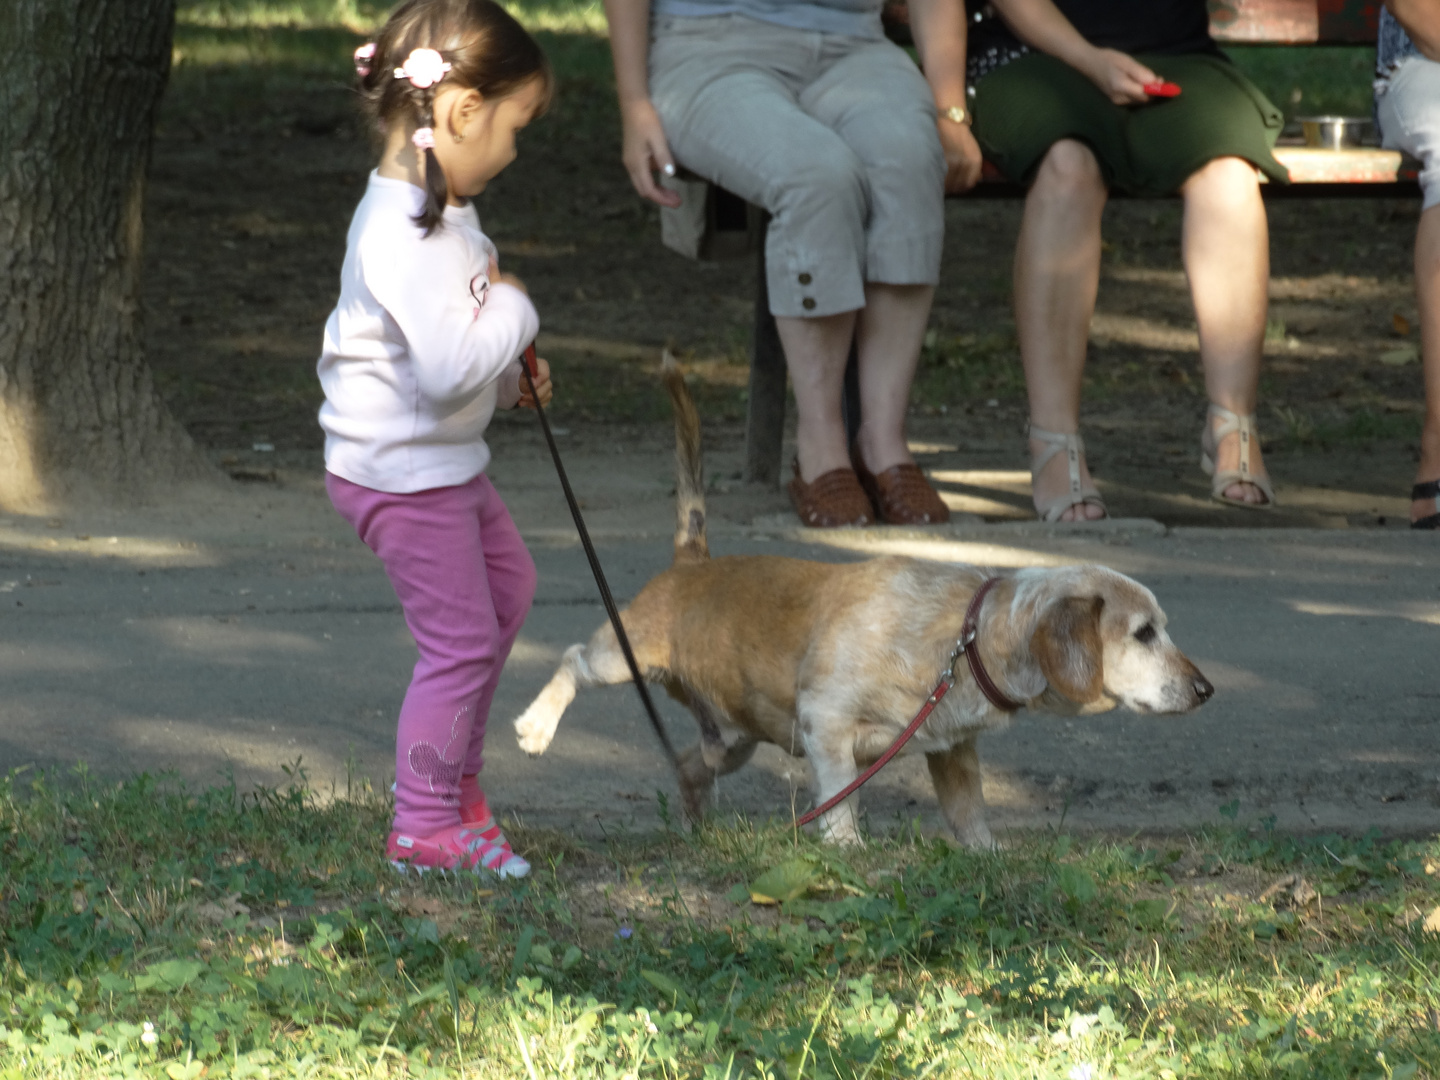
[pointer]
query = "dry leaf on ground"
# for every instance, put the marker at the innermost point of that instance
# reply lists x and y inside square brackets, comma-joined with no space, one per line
[1291,891]
[218,911]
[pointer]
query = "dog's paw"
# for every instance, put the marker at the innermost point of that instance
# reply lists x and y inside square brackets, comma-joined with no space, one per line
[976,836]
[840,829]
[534,732]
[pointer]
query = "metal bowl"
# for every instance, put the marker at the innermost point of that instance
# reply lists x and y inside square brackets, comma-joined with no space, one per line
[1334,132]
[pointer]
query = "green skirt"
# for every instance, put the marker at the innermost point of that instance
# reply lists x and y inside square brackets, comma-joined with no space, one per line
[1026,106]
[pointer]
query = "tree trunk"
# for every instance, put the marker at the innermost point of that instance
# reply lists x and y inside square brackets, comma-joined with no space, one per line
[80,83]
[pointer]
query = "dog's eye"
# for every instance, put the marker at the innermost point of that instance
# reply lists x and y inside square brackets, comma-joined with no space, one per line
[1146,634]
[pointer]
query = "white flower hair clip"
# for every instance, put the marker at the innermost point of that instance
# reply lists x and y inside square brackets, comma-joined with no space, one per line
[363,56]
[424,139]
[424,68]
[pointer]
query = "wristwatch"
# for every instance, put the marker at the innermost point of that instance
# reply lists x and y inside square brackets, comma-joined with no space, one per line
[956,113]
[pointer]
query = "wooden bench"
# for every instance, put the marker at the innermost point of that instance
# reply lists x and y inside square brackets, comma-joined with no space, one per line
[1364,171]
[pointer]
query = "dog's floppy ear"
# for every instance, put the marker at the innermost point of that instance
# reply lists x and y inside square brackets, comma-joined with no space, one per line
[1068,648]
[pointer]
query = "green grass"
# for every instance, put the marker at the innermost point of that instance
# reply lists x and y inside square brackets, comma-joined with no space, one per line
[1359,426]
[1311,80]
[1299,80]
[262,936]
[232,57]
[959,368]
[366,16]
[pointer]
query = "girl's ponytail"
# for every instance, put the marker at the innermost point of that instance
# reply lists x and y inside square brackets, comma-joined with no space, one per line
[423,69]
[476,44]
[436,194]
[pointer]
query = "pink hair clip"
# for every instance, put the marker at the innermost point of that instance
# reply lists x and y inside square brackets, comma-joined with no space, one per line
[363,55]
[424,68]
[424,139]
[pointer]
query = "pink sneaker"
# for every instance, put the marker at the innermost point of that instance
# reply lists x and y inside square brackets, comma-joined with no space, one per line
[475,813]
[455,848]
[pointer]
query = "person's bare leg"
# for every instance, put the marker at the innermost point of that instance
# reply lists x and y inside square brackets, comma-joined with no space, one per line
[889,333]
[815,353]
[1225,246]
[1427,289]
[1057,276]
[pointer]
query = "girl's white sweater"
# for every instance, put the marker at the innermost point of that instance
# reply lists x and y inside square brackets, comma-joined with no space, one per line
[410,360]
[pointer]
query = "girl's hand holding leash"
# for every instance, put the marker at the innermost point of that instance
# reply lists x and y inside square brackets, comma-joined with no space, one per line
[513,391]
[515,394]
[543,387]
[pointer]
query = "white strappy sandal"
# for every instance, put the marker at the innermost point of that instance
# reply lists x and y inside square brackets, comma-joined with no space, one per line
[1073,447]
[1209,442]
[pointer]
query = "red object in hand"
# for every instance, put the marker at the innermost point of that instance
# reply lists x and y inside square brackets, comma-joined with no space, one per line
[531,364]
[1161,89]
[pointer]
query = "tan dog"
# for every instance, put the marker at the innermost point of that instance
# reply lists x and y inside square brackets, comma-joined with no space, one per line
[831,662]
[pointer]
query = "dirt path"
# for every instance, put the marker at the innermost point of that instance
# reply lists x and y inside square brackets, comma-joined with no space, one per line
[233,632]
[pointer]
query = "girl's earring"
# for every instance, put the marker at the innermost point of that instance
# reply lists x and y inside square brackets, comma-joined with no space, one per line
[458,136]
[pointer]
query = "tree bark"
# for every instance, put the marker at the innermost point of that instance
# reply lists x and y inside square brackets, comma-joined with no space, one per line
[80,84]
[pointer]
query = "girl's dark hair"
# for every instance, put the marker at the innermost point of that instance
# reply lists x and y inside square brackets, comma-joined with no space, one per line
[488,51]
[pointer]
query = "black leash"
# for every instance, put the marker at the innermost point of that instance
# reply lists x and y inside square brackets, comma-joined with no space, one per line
[528,367]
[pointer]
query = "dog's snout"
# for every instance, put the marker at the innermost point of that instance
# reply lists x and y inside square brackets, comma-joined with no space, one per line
[1203,690]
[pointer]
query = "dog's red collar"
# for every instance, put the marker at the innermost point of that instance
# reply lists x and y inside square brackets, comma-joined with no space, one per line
[967,646]
[987,686]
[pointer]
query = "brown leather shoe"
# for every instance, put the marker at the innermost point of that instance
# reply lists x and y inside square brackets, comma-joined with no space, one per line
[901,495]
[831,500]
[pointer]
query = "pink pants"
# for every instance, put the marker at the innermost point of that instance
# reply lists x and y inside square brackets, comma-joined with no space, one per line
[465,583]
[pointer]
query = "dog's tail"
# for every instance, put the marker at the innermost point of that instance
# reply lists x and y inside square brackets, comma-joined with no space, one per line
[690,543]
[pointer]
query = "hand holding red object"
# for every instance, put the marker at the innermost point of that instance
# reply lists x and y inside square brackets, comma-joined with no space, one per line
[539,381]
[1162,89]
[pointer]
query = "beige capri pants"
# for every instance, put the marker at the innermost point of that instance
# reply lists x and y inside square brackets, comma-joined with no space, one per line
[834,136]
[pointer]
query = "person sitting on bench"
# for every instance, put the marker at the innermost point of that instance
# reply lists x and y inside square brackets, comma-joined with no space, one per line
[1407,106]
[804,108]
[1094,107]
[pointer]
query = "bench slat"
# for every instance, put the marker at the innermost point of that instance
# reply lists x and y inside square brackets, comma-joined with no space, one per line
[1349,21]
[1295,22]
[1239,21]
[1248,22]
[1364,165]
[1307,165]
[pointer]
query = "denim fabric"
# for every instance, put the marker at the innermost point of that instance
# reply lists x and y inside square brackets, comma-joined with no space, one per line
[1407,107]
[1392,46]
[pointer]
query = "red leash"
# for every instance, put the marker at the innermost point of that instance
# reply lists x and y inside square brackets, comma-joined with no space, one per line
[966,646]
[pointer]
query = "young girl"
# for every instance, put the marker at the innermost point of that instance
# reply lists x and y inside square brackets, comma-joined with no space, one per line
[422,347]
